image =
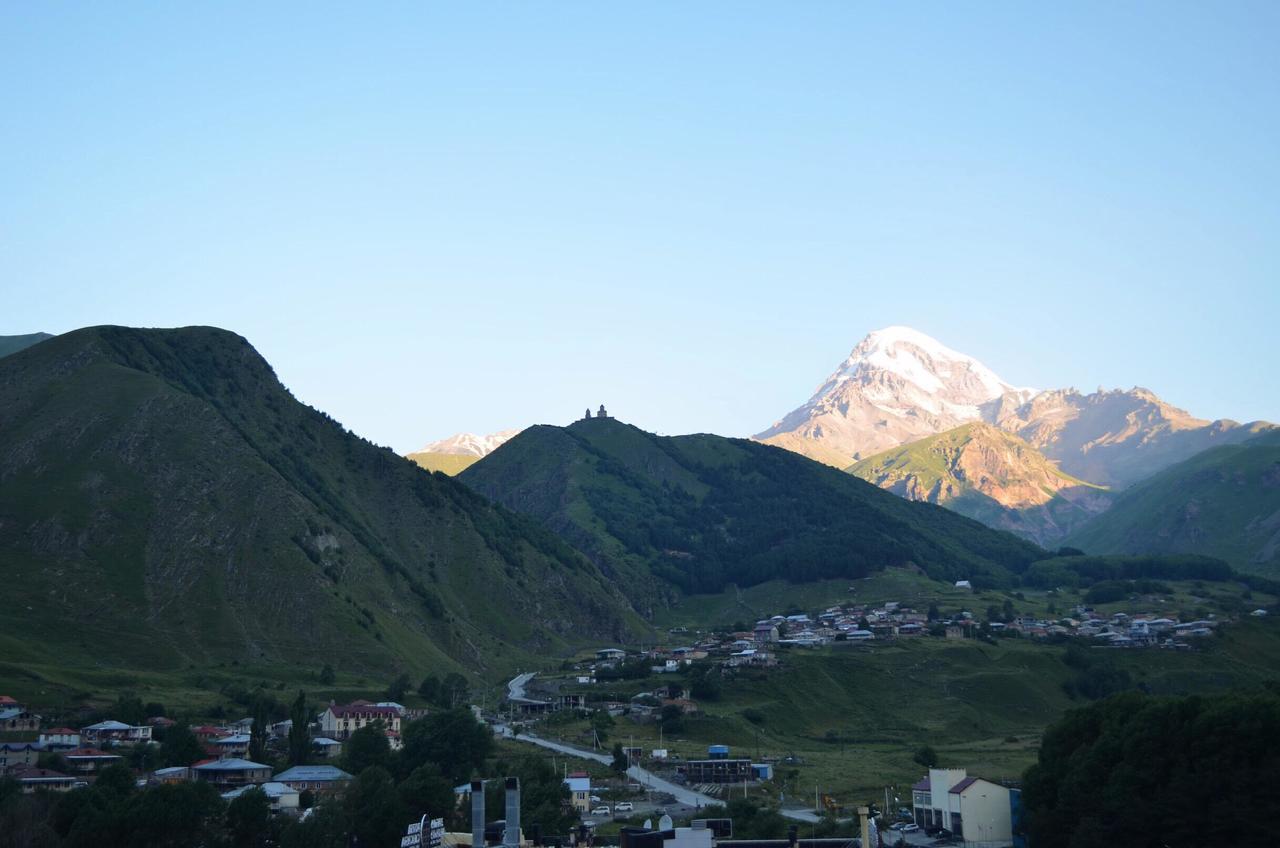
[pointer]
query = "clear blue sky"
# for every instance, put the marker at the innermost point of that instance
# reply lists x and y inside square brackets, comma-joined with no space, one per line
[433,219]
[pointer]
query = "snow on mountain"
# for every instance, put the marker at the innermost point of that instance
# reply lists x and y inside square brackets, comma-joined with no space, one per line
[469,444]
[896,386]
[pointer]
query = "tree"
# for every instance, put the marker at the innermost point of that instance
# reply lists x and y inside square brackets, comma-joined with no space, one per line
[373,807]
[671,719]
[299,731]
[249,819]
[258,737]
[452,739]
[327,677]
[426,790]
[704,682]
[926,756]
[454,691]
[129,709]
[366,748]
[429,689]
[619,764]
[1141,770]
[180,747]
[398,688]
[934,615]
[601,722]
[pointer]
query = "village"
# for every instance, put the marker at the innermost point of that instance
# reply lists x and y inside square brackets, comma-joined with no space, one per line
[643,783]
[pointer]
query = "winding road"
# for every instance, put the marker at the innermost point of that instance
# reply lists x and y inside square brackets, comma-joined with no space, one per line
[515,689]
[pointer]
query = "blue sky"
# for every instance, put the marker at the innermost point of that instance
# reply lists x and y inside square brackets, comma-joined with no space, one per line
[434,218]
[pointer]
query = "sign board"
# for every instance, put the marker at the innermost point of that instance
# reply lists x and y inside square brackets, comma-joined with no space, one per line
[427,832]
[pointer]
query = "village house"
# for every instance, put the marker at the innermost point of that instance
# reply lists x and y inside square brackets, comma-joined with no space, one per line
[326,748]
[60,738]
[173,774]
[14,754]
[319,779]
[33,779]
[232,772]
[339,722]
[18,718]
[236,745]
[115,732]
[89,760]
[281,796]
[579,784]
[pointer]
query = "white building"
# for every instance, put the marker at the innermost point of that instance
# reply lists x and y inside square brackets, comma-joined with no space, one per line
[977,810]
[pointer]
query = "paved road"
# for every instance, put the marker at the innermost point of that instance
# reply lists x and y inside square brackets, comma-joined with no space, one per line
[642,776]
[515,687]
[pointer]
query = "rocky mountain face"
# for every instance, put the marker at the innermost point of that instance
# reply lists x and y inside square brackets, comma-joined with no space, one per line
[1222,502]
[1036,469]
[1114,438]
[990,475]
[458,452]
[165,502]
[898,385]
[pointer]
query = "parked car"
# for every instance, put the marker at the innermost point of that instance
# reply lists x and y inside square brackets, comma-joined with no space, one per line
[600,811]
[623,807]
[910,828]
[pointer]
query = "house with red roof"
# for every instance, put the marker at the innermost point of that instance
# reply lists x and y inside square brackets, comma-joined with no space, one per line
[340,721]
[972,808]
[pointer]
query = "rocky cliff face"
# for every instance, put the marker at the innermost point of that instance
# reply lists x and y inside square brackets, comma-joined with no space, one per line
[1117,437]
[987,474]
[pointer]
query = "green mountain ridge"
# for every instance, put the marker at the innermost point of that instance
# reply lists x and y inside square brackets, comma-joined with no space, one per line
[13,344]
[991,476]
[165,503]
[1223,502]
[701,512]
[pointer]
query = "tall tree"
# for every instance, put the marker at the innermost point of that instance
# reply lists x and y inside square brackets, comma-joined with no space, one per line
[365,748]
[258,737]
[452,739]
[299,731]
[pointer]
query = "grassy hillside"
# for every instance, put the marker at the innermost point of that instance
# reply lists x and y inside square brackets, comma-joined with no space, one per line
[167,505]
[13,344]
[452,464]
[1224,502]
[989,475]
[702,511]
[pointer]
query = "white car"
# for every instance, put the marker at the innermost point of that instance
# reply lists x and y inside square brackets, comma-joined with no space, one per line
[623,807]
[911,828]
[600,811]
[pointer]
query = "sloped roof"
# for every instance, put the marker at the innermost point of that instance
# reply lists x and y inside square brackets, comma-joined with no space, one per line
[963,785]
[311,773]
[232,764]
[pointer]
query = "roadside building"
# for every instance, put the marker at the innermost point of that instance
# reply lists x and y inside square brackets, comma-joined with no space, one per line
[579,784]
[974,809]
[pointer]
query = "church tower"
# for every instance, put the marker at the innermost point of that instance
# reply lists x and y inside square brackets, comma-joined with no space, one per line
[602,413]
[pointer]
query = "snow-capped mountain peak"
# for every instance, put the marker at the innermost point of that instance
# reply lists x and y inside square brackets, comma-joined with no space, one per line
[469,444]
[898,384]
[923,361]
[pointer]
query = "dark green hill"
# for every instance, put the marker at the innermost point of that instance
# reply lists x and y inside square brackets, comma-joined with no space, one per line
[1224,502]
[165,502]
[700,512]
[13,344]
